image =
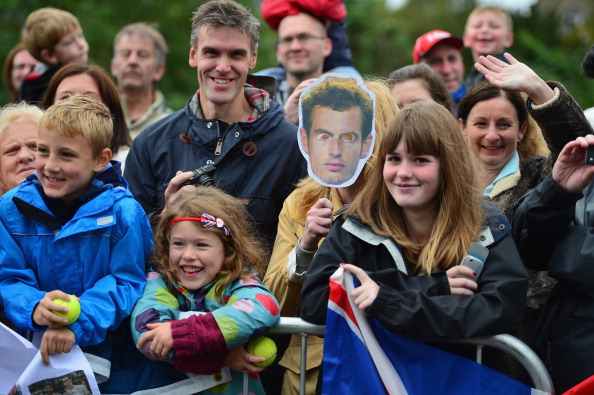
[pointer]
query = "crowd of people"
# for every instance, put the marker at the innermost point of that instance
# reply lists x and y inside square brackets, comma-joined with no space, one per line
[185,234]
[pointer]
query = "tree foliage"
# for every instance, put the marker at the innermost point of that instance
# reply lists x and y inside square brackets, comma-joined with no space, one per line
[381,38]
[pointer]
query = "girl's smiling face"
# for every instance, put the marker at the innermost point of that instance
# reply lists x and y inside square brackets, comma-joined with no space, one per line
[412,180]
[196,255]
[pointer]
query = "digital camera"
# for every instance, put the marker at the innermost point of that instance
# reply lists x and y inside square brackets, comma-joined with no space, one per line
[202,176]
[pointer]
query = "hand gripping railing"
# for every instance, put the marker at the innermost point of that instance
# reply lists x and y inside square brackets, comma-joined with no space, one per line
[507,343]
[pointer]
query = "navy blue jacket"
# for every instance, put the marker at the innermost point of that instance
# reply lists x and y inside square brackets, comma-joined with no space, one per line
[262,182]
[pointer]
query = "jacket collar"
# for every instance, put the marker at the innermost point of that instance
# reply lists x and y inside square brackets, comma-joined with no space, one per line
[496,228]
[32,202]
[256,91]
[363,232]
[507,178]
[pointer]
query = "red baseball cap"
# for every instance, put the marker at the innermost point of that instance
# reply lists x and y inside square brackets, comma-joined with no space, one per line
[430,39]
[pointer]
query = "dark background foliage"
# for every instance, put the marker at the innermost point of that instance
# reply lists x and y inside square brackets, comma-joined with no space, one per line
[552,39]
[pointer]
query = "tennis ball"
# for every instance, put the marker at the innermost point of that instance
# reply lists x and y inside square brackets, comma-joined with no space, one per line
[262,347]
[73,309]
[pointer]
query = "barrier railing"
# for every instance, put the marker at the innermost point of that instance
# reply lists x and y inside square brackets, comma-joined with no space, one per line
[506,343]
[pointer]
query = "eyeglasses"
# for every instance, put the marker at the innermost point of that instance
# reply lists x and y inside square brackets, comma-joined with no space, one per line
[302,39]
[346,137]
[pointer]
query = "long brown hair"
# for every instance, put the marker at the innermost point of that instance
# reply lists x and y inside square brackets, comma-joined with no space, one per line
[242,251]
[427,129]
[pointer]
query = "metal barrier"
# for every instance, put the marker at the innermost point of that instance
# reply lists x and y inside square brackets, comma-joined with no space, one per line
[506,343]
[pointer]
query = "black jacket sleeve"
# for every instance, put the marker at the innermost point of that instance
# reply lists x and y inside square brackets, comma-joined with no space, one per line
[548,240]
[538,221]
[572,258]
[561,122]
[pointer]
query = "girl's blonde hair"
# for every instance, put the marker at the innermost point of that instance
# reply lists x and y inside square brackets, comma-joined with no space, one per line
[385,110]
[242,251]
[427,129]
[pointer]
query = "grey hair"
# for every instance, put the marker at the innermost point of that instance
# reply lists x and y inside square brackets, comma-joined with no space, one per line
[145,30]
[18,112]
[225,13]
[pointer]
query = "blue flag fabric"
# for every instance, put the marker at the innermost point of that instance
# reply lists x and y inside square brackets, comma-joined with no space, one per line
[362,357]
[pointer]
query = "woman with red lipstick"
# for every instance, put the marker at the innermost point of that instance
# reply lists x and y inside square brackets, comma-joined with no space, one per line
[206,300]
[406,233]
[18,139]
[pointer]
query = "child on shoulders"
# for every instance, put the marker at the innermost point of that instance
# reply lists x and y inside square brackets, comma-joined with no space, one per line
[488,31]
[54,37]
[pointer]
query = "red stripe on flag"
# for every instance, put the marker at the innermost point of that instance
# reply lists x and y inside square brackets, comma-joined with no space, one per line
[586,387]
[339,296]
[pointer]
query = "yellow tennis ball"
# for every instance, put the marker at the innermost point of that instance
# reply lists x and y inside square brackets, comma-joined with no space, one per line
[262,347]
[73,309]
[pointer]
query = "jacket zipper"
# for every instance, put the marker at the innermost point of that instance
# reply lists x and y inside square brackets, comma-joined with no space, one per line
[219,147]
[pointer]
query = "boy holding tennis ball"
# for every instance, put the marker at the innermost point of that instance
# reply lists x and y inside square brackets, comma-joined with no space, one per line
[72,309]
[73,229]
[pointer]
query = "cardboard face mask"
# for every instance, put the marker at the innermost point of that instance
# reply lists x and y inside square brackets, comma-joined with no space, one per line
[336,128]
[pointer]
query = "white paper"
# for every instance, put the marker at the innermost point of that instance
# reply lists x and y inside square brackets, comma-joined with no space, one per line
[16,353]
[68,373]
[188,314]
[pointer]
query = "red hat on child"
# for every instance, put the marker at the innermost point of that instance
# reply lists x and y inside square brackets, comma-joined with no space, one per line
[428,40]
[273,11]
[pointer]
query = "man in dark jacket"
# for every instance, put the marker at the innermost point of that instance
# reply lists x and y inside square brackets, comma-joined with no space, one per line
[553,231]
[228,124]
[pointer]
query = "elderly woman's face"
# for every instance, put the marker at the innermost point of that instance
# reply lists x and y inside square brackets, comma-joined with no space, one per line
[18,148]
[493,132]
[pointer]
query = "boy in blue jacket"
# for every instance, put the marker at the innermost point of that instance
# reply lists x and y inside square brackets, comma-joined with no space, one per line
[73,228]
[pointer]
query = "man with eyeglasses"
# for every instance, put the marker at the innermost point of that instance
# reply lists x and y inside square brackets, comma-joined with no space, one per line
[304,45]
[336,133]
